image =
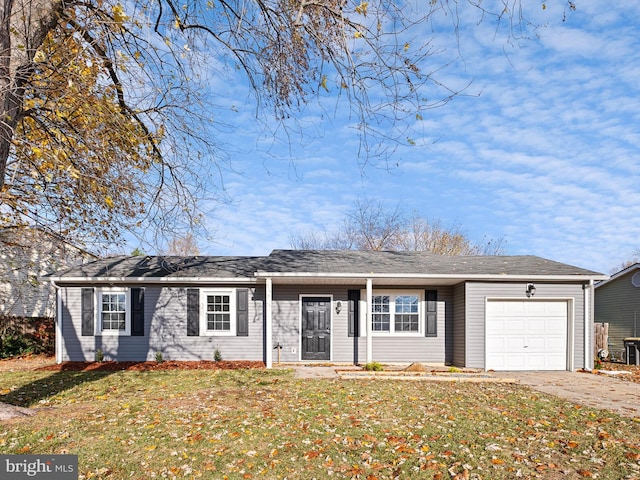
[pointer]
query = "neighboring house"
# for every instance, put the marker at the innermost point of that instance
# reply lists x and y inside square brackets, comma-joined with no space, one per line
[487,312]
[26,254]
[618,304]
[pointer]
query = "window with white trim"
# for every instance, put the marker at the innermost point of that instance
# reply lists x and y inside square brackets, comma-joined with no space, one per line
[397,313]
[218,312]
[113,313]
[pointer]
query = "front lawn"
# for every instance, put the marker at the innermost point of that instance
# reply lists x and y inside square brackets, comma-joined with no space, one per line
[266,424]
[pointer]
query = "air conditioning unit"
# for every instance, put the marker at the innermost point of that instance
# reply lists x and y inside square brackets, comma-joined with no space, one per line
[632,349]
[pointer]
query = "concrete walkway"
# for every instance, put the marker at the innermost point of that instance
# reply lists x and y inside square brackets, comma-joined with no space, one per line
[597,391]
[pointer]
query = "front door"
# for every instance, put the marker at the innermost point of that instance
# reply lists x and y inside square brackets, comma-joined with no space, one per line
[316,328]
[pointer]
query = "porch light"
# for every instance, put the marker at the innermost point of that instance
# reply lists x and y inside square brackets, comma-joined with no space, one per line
[338,307]
[531,290]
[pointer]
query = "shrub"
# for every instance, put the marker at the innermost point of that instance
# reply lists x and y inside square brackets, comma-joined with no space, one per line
[99,355]
[374,367]
[217,355]
[13,345]
[24,336]
[159,357]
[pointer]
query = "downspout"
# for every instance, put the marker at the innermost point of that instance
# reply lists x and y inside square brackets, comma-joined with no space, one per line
[58,320]
[592,319]
[268,341]
[369,320]
[588,326]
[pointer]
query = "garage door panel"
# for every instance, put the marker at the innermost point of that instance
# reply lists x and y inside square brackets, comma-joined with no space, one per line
[535,325]
[556,325]
[536,362]
[555,344]
[504,362]
[526,335]
[514,326]
[514,344]
[538,344]
[496,327]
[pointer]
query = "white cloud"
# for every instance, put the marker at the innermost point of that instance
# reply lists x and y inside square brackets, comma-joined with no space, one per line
[546,156]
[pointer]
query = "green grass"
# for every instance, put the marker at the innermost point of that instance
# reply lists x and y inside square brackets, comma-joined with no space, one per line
[266,424]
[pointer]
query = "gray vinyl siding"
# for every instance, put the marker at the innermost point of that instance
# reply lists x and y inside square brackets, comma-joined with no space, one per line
[476,294]
[165,331]
[286,323]
[430,350]
[459,332]
[345,349]
[618,304]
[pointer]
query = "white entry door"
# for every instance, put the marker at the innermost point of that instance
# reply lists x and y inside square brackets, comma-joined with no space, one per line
[526,335]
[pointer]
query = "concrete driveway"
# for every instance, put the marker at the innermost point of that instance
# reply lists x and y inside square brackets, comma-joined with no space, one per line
[598,391]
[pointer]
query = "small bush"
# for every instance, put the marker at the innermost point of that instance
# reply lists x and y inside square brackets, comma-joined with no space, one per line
[454,370]
[16,345]
[159,357]
[24,336]
[217,355]
[99,355]
[374,367]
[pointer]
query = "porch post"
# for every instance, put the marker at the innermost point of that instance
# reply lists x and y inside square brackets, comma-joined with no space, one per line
[369,318]
[268,327]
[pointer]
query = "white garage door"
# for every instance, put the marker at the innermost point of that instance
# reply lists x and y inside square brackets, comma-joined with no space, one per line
[526,335]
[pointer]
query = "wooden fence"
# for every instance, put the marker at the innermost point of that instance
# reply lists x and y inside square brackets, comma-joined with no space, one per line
[600,338]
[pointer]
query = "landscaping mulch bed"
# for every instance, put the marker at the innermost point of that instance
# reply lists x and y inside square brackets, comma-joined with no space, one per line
[632,376]
[47,364]
[150,366]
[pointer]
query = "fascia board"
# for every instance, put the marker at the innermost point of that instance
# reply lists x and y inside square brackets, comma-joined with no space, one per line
[635,266]
[427,276]
[178,280]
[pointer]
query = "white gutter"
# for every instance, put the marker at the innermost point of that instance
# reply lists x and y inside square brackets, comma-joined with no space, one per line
[58,340]
[147,280]
[484,276]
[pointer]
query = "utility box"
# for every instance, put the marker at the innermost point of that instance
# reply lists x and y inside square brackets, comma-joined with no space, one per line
[632,349]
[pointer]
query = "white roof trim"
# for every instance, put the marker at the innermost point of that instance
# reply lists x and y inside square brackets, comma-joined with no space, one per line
[168,279]
[631,268]
[319,276]
[426,276]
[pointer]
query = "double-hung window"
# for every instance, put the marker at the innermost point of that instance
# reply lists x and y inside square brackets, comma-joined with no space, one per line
[113,314]
[218,316]
[397,313]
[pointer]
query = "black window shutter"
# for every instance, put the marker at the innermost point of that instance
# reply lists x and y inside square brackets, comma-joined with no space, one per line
[242,313]
[431,327]
[353,297]
[193,312]
[137,312]
[87,312]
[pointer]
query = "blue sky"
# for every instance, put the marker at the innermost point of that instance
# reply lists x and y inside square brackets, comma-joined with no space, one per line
[542,151]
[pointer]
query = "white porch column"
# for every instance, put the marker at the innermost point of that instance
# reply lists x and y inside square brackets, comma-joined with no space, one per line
[369,319]
[268,327]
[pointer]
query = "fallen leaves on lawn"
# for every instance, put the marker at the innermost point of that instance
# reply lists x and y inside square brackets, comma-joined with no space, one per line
[260,424]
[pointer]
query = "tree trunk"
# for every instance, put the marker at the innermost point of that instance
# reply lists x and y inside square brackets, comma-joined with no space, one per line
[24,25]
[5,84]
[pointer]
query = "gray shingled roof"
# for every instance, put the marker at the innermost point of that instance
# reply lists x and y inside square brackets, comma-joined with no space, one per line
[321,261]
[352,261]
[161,266]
